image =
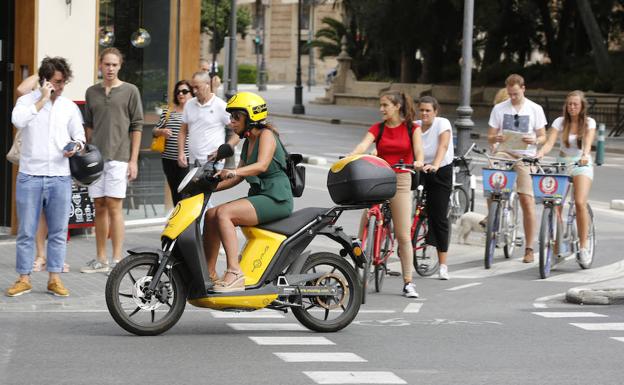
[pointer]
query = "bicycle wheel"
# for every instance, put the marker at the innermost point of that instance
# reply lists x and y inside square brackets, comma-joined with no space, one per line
[491,233]
[547,237]
[424,263]
[458,204]
[511,224]
[591,239]
[380,269]
[369,240]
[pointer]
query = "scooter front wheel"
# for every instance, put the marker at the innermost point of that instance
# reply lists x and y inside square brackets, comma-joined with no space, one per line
[330,313]
[134,307]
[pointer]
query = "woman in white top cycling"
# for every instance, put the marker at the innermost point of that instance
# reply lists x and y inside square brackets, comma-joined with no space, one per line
[577,131]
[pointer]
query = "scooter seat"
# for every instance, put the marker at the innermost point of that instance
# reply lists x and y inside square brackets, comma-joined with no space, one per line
[293,223]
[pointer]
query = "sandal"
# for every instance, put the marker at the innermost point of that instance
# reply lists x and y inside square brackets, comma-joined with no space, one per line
[238,284]
[215,278]
[528,255]
[39,264]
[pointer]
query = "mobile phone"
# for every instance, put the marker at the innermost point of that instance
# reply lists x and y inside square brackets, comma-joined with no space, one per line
[42,81]
[71,146]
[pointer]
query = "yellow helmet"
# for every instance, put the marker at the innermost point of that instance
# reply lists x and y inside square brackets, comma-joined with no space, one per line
[253,104]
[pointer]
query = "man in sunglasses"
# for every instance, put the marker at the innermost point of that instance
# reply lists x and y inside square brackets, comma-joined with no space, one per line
[517,126]
[203,120]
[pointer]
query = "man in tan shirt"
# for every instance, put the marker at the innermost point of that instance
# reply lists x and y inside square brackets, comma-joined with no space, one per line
[113,121]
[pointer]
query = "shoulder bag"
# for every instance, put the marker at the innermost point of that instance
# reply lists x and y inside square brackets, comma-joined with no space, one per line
[13,155]
[158,142]
[294,171]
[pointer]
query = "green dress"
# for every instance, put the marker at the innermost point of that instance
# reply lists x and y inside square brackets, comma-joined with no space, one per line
[269,192]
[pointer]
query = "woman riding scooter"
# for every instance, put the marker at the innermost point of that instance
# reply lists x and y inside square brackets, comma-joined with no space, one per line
[262,165]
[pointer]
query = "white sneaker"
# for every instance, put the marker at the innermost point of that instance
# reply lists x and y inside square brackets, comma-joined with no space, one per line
[95,266]
[409,290]
[584,258]
[111,266]
[443,273]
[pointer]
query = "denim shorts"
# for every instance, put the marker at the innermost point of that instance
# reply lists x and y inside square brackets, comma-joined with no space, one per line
[587,170]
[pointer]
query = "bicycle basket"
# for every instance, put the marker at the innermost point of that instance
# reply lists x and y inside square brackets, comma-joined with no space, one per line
[497,181]
[549,186]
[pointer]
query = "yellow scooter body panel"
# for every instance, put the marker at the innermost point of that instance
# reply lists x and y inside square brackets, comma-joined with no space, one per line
[185,212]
[258,252]
[243,302]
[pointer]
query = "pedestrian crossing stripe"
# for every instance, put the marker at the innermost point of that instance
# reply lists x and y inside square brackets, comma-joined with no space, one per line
[567,314]
[319,357]
[266,326]
[251,314]
[291,341]
[335,377]
[607,326]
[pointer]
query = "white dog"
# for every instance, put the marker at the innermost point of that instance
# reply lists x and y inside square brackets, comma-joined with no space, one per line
[469,222]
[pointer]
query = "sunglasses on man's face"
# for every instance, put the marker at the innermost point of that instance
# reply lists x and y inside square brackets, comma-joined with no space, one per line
[183,91]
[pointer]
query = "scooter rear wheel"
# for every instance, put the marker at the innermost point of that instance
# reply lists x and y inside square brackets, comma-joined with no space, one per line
[330,313]
[135,310]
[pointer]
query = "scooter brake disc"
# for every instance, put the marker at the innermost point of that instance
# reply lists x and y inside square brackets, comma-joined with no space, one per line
[144,301]
[338,299]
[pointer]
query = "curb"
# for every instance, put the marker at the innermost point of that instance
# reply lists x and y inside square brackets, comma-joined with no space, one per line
[587,296]
[617,204]
[321,119]
[315,160]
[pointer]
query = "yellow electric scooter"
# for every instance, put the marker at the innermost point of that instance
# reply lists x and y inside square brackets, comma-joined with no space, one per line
[147,291]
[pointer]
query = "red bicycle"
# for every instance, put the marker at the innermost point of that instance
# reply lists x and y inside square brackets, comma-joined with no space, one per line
[379,246]
[425,264]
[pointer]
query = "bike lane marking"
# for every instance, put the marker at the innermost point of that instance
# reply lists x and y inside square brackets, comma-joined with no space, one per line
[413,307]
[596,274]
[338,377]
[464,286]
[319,357]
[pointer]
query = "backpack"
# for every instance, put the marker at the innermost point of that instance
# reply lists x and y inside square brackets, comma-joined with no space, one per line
[410,132]
[294,171]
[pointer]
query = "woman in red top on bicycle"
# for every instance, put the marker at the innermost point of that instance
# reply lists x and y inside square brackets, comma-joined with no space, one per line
[394,145]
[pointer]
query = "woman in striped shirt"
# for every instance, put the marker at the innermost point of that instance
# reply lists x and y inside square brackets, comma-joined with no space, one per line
[169,127]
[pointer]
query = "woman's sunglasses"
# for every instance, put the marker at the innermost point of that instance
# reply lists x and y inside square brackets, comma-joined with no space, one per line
[236,115]
[184,91]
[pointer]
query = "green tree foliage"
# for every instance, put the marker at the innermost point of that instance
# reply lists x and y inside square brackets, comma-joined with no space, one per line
[243,20]
[407,40]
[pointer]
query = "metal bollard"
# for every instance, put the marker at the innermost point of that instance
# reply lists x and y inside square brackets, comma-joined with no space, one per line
[600,144]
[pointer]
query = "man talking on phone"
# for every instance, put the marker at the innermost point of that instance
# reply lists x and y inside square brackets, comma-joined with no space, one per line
[48,122]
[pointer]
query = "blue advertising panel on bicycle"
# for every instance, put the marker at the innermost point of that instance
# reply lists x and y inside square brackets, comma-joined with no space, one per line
[549,186]
[498,181]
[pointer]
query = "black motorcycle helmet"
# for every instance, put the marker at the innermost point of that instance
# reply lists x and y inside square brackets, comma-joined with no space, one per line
[86,166]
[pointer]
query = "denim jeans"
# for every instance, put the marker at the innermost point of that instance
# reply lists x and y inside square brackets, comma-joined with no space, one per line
[53,194]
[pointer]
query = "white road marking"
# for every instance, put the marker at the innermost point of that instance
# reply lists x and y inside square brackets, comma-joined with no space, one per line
[320,357]
[355,378]
[618,326]
[463,286]
[266,326]
[251,314]
[621,339]
[567,314]
[291,341]
[412,307]
[540,305]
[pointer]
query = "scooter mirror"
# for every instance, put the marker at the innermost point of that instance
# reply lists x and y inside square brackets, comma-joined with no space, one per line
[224,151]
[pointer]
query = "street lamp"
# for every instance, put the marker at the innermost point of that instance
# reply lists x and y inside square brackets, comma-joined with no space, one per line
[260,44]
[311,66]
[298,108]
[464,123]
[232,81]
